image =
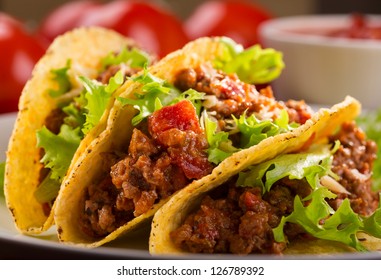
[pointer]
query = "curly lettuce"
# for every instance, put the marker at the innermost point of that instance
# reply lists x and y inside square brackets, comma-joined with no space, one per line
[313,212]
[253,65]
[134,57]
[156,93]
[252,131]
[83,108]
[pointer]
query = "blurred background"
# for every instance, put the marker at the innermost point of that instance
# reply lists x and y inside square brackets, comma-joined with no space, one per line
[37,9]
[28,27]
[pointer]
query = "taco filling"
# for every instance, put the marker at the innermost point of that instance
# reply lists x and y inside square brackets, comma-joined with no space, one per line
[81,102]
[181,132]
[322,193]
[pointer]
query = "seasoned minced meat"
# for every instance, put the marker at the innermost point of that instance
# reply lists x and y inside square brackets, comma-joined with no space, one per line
[242,220]
[353,162]
[159,162]
[172,151]
[234,97]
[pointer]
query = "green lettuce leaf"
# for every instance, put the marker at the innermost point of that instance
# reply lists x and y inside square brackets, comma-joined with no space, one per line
[76,113]
[254,131]
[253,65]
[134,57]
[309,165]
[83,113]
[220,147]
[48,189]
[317,220]
[59,149]
[156,93]
[62,78]
[98,97]
[313,212]
[372,224]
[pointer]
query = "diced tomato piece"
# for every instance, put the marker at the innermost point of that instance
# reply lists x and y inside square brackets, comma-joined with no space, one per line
[181,116]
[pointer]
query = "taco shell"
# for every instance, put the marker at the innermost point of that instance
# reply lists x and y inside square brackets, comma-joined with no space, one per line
[84,47]
[115,137]
[118,134]
[173,213]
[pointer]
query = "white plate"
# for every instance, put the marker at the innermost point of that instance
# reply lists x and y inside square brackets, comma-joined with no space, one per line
[46,246]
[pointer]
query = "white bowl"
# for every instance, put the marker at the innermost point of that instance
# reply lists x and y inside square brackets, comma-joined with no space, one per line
[322,69]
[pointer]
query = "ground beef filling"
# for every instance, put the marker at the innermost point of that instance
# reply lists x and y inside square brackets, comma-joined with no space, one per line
[171,152]
[160,161]
[353,162]
[241,220]
[231,96]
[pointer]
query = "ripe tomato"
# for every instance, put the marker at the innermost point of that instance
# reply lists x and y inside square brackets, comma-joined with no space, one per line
[19,51]
[236,19]
[64,18]
[154,28]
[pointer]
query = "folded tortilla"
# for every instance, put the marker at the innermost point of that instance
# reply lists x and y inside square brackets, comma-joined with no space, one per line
[83,48]
[116,139]
[174,213]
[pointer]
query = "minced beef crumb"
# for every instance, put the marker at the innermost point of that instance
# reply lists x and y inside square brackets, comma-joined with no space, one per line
[241,220]
[238,222]
[353,162]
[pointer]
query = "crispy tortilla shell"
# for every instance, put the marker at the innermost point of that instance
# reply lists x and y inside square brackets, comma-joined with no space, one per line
[116,137]
[173,213]
[84,47]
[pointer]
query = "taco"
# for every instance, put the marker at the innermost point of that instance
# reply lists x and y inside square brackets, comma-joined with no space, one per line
[170,128]
[63,107]
[313,197]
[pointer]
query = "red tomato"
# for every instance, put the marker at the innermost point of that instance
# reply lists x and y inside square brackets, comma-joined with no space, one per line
[154,28]
[19,51]
[64,18]
[238,20]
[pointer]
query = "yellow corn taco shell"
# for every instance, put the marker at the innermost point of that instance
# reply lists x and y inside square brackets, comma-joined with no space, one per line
[173,213]
[84,47]
[118,134]
[115,137]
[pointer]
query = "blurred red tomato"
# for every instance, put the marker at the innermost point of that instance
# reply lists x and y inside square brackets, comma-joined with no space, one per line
[154,28]
[238,20]
[19,51]
[64,18]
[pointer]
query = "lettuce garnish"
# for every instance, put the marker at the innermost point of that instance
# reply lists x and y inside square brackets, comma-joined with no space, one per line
[59,149]
[61,77]
[220,147]
[98,96]
[254,131]
[83,113]
[316,217]
[253,65]
[156,93]
[134,57]
[310,166]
